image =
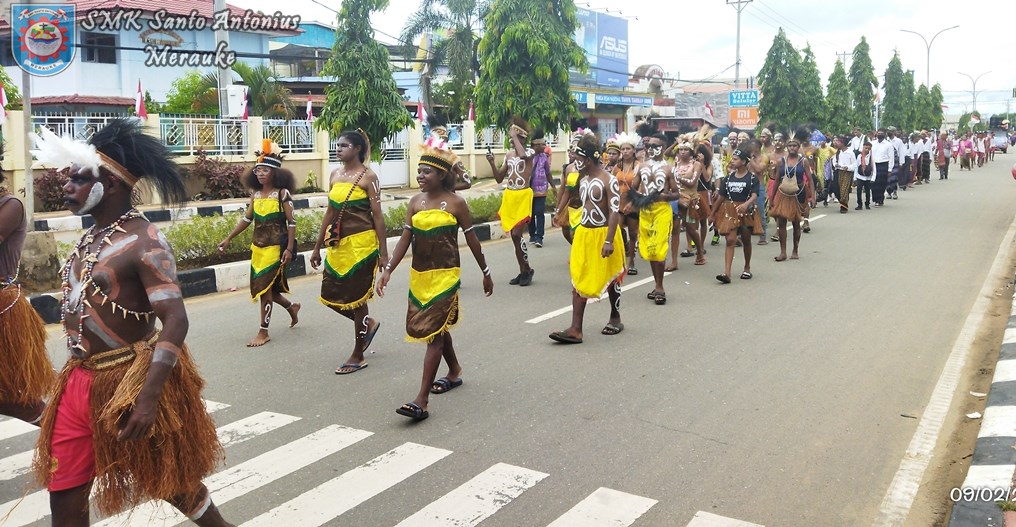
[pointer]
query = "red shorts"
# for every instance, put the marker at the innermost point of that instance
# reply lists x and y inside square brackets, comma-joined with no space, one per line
[73,462]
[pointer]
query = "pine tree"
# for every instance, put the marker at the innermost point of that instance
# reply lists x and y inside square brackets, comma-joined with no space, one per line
[925,119]
[525,55]
[862,85]
[779,81]
[812,105]
[937,115]
[894,109]
[838,101]
[909,102]
[364,94]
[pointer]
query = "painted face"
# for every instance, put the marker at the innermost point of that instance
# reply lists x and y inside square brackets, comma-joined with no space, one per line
[743,137]
[580,164]
[428,177]
[654,149]
[82,192]
[263,173]
[778,140]
[346,151]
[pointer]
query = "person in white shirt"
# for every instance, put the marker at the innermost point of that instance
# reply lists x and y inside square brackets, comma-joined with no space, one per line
[884,157]
[926,145]
[856,141]
[914,151]
[895,175]
[844,166]
[979,148]
[864,173]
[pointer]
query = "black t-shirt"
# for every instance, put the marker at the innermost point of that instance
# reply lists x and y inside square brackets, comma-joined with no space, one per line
[739,189]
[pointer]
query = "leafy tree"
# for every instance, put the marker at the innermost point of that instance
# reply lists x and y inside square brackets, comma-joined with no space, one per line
[838,101]
[364,94]
[266,95]
[811,105]
[964,123]
[894,105]
[151,105]
[527,49]
[454,98]
[779,79]
[460,21]
[185,96]
[909,102]
[13,94]
[938,116]
[862,85]
[925,119]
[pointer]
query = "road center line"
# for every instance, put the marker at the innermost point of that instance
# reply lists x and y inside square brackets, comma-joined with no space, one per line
[563,310]
[899,498]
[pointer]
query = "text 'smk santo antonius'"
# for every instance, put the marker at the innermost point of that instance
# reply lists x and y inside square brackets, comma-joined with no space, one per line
[162,20]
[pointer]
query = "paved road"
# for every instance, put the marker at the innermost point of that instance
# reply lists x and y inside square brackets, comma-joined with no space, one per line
[775,401]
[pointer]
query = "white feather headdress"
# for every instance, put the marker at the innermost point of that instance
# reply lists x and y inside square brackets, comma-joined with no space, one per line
[624,138]
[62,152]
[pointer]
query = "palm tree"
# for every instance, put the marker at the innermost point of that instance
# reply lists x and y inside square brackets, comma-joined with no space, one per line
[268,98]
[460,22]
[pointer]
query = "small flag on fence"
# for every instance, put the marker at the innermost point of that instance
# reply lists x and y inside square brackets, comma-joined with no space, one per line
[310,109]
[139,103]
[472,111]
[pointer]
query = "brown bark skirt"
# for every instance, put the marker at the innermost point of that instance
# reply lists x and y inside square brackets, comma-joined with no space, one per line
[25,371]
[786,207]
[727,219]
[180,450]
[705,210]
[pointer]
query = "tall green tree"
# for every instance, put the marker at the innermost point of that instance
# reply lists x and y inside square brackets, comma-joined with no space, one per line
[909,102]
[862,85]
[13,94]
[187,95]
[937,115]
[779,80]
[925,118]
[364,94]
[812,104]
[838,101]
[525,54]
[458,22]
[267,96]
[894,105]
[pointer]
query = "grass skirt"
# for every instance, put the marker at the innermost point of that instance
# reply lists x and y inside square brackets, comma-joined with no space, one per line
[786,207]
[181,449]
[727,219]
[25,371]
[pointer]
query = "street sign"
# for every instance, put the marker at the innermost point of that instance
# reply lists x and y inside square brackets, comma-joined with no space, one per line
[744,118]
[743,98]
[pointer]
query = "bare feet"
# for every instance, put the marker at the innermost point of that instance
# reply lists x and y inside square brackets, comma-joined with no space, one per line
[794,256]
[294,310]
[701,260]
[670,268]
[781,258]
[260,339]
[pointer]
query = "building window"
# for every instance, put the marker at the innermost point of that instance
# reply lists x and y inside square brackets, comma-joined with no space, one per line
[98,47]
[6,58]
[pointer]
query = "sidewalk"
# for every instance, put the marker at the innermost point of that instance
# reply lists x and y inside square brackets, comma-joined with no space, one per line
[989,479]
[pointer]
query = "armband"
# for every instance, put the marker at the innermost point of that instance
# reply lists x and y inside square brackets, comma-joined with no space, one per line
[471,227]
[407,228]
[291,224]
[164,356]
[486,271]
[245,219]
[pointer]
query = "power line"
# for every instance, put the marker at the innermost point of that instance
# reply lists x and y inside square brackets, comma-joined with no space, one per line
[791,22]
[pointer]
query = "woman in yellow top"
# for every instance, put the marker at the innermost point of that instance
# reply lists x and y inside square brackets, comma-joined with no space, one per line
[569,203]
[274,241]
[433,219]
[626,172]
[354,231]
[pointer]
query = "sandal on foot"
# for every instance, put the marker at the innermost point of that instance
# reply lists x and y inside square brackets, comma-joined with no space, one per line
[700,261]
[413,411]
[353,368]
[367,339]
[661,298]
[723,278]
[669,269]
[444,384]
[564,338]
[632,271]
[652,294]
[612,328]
[746,276]
[763,242]
[686,254]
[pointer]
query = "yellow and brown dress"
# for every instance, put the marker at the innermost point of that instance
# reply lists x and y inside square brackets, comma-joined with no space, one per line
[270,234]
[434,276]
[351,266]
[574,205]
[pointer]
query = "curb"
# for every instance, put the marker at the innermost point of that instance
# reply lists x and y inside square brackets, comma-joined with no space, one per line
[989,478]
[235,275]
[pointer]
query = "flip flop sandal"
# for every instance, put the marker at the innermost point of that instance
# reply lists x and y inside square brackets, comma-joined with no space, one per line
[632,271]
[661,299]
[413,411]
[564,338]
[686,254]
[612,329]
[723,278]
[700,262]
[355,368]
[444,385]
[746,276]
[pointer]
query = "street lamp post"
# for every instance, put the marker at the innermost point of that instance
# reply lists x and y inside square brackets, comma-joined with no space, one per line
[927,43]
[973,92]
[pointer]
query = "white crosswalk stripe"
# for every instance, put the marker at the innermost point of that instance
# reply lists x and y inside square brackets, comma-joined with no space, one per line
[14,427]
[465,506]
[476,499]
[326,502]
[605,508]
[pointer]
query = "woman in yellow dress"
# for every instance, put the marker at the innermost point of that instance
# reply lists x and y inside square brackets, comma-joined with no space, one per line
[274,241]
[433,219]
[569,203]
[354,231]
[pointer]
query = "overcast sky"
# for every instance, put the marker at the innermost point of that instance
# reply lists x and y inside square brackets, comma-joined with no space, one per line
[695,39]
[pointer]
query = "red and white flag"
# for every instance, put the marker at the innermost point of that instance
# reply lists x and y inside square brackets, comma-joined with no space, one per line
[3,104]
[310,109]
[472,111]
[244,117]
[421,112]
[139,103]
[709,110]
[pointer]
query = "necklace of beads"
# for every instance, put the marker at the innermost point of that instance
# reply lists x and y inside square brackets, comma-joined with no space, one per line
[88,260]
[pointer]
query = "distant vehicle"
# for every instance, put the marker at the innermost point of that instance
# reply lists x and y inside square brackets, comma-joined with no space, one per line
[1001,141]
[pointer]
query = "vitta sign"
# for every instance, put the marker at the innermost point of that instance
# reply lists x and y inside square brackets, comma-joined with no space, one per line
[743,98]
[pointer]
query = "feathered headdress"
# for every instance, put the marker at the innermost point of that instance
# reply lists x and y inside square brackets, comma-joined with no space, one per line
[270,154]
[704,135]
[62,152]
[613,144]
[436,152]
[521,126]
[624,138]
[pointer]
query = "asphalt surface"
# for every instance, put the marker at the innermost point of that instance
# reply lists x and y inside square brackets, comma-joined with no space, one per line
[775,401]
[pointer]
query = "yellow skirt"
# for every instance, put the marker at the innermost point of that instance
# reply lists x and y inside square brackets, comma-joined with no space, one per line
[655,225]
[574,217]
[516,208]
[591,274]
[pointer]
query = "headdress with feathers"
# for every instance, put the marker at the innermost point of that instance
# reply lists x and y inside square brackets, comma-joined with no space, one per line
[122,149]
[624,138]
[270,154]
[521,126]
[613,144]
[436,152]
[704,135]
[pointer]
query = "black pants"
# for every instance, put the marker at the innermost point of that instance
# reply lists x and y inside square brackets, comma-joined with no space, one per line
[881,179]
[943,171]
[536,226]
[926,166]
[894,179]
[864,186]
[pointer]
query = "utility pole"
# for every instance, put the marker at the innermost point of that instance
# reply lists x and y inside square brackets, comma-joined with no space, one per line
[225,74]
[739,5]
[843,57]
[26,116]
